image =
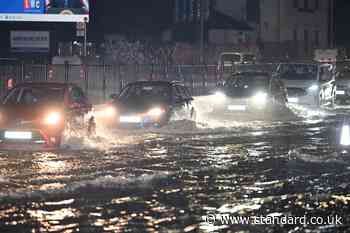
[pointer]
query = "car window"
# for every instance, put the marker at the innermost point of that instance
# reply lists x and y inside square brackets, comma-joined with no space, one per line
[77,95]
[144,91]
[39,95]
[12,97]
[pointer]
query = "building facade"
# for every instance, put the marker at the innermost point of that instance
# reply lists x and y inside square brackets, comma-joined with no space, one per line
[294,28]
[281,28]
[225,22]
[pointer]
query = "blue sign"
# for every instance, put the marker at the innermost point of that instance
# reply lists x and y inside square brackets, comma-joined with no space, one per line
[22,6]
[44,10]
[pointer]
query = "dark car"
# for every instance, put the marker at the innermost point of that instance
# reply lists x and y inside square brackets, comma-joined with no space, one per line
[35,115]
[151,103]
[342,83]
[250,92]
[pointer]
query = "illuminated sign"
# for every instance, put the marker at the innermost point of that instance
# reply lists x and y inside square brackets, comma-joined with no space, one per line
[30,41]
[45,10]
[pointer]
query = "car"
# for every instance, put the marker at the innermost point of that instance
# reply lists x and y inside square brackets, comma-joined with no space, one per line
[342,83]
[150,103]
[250,92]
[36,115]
[228,62]
[309,84]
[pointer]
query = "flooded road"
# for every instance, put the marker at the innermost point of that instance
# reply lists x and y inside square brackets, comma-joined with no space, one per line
[167,180]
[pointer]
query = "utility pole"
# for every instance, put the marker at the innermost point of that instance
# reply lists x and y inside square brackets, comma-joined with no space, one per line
[202,19]
[331,24]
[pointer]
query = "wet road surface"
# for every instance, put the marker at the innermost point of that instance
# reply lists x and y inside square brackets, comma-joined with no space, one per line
[166,180]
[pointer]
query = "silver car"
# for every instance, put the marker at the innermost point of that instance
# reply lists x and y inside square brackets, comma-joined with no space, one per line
[309,84]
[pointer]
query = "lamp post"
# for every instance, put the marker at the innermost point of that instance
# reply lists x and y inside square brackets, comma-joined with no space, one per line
[85,36]
[203,10]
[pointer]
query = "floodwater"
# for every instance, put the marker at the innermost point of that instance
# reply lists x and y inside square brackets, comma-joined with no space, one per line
[169,179]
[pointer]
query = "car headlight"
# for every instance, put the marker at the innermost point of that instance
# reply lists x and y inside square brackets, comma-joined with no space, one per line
[53,118]
[219,94]
[155,112]
[345,136]
[313,88]
[219,97]
[110,111]
[260,98]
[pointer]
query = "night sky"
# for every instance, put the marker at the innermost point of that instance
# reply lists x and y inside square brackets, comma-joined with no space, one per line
[139,17]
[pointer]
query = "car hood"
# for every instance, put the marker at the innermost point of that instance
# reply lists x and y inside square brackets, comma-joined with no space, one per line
[11,114]
[139,106]
[298,83]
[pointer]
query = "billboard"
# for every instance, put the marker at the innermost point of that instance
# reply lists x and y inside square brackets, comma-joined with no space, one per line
[30,41]
[45,10]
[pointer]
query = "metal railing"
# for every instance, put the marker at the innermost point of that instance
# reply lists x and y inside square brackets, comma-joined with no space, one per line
[99,81]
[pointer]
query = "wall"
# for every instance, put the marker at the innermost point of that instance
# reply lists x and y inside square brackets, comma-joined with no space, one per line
[234,8]
[283,23]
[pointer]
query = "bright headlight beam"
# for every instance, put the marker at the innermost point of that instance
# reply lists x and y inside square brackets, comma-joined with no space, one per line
[340,92]
[52,118]
[345,135]
[260,98]
[110,111]
[219,95]
[313,88]
[155,112]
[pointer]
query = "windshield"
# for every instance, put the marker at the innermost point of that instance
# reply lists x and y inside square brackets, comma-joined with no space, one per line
[298,71]
[268,68]
[139,92]
[35,95]
[248,81]
[228,59]
[248,58]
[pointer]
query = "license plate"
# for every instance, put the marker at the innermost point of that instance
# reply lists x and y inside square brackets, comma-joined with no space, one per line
[340,92]
[293,100]
[130,119]
[236,107]
[18,135]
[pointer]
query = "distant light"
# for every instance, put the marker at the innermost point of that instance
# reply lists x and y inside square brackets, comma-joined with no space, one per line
[345,136]
[219,97]
[260,99]
[340,92]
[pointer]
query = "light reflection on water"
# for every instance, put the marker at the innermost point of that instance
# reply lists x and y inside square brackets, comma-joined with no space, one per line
[164,182]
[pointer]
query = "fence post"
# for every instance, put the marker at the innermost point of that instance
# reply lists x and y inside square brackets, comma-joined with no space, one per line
[115,80]
[152,71]
[22,71]
[46,67]
[104,81]
[86,78]
[66,72]
[120,78]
